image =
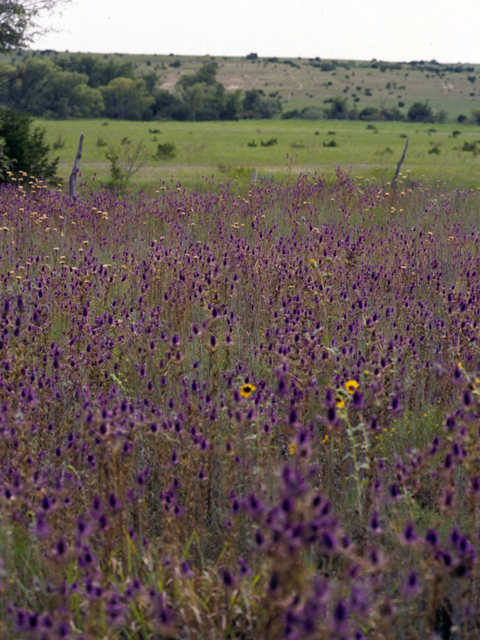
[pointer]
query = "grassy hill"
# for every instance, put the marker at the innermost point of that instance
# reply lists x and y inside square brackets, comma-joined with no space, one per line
[304,82]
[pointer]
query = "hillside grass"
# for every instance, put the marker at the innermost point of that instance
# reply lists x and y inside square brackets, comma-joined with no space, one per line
[220,149]
[301,82]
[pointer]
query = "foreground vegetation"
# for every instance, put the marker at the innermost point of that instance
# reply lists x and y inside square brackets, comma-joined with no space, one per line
[240,415]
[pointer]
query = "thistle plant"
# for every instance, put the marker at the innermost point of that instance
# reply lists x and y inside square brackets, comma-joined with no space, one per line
[239,414]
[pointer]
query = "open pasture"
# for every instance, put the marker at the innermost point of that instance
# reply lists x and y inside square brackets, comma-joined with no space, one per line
[240,415]
[231,150]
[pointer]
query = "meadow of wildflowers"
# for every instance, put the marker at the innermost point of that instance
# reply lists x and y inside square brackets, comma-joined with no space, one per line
[240,415]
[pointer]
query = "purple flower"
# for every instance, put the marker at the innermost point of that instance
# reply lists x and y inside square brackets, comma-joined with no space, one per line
[357,400]
[431,537]
[274,582]
[411,585]
[340,615]
[451,423]
[328,541]
[375,523]
[228,578]
[409,534]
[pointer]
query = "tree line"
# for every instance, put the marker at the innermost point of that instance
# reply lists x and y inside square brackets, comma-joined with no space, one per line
[86,86]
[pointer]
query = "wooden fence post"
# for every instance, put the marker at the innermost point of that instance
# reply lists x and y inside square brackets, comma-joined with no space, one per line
[73,176]
[399,165]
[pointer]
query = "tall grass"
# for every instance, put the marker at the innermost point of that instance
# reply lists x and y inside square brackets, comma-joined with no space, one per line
[240,415]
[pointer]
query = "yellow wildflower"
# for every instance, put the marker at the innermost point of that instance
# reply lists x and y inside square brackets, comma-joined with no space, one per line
[351,386]
[292,447]
[340,403]
[246,390]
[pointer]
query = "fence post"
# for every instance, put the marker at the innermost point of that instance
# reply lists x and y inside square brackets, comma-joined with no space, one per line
[73,176]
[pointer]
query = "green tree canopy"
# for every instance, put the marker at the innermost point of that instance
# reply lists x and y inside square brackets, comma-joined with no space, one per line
[256,105]
[127,99]
[25,147]
[420,112]
[99,71]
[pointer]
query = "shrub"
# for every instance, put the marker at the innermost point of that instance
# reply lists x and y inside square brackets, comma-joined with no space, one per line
[25,146]
[165,151]
[420,112]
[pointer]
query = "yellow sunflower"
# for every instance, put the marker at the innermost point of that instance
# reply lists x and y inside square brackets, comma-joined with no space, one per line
[351,386]
[247,390]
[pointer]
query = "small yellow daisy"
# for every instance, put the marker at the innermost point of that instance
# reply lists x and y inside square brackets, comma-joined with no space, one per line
[351,386]
[340,403]
[247,390]
[292,447]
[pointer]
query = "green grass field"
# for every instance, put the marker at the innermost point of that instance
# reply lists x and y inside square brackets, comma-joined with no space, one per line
[222,149]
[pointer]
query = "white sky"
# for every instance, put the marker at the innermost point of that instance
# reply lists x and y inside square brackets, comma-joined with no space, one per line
[347,29]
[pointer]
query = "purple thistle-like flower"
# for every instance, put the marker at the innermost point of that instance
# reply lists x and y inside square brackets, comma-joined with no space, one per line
[431,537]
[357,400]
[340,614]
[331,415]
[329,398]
[451,423]
[287,505]
[244,568]
[41,528]
[446,558]
[395,404]
[409,534]
[61,548]
[259,538]
[475,486]
[254,505]
[457,374]
[274,582]
[328,541]
[375,523]
[164,618]
[395,491]
[411,585]
[228,578]
[281,386]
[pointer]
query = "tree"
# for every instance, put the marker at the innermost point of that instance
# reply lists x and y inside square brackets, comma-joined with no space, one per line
[205,98]
[100,72]
[87,102]
[197,97]
[127,99]
[19,21]
[338,109]
[256,105]
[420,112]
[475,114]
[25,148]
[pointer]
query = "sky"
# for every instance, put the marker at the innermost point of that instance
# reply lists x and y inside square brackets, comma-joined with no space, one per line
[344,29]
